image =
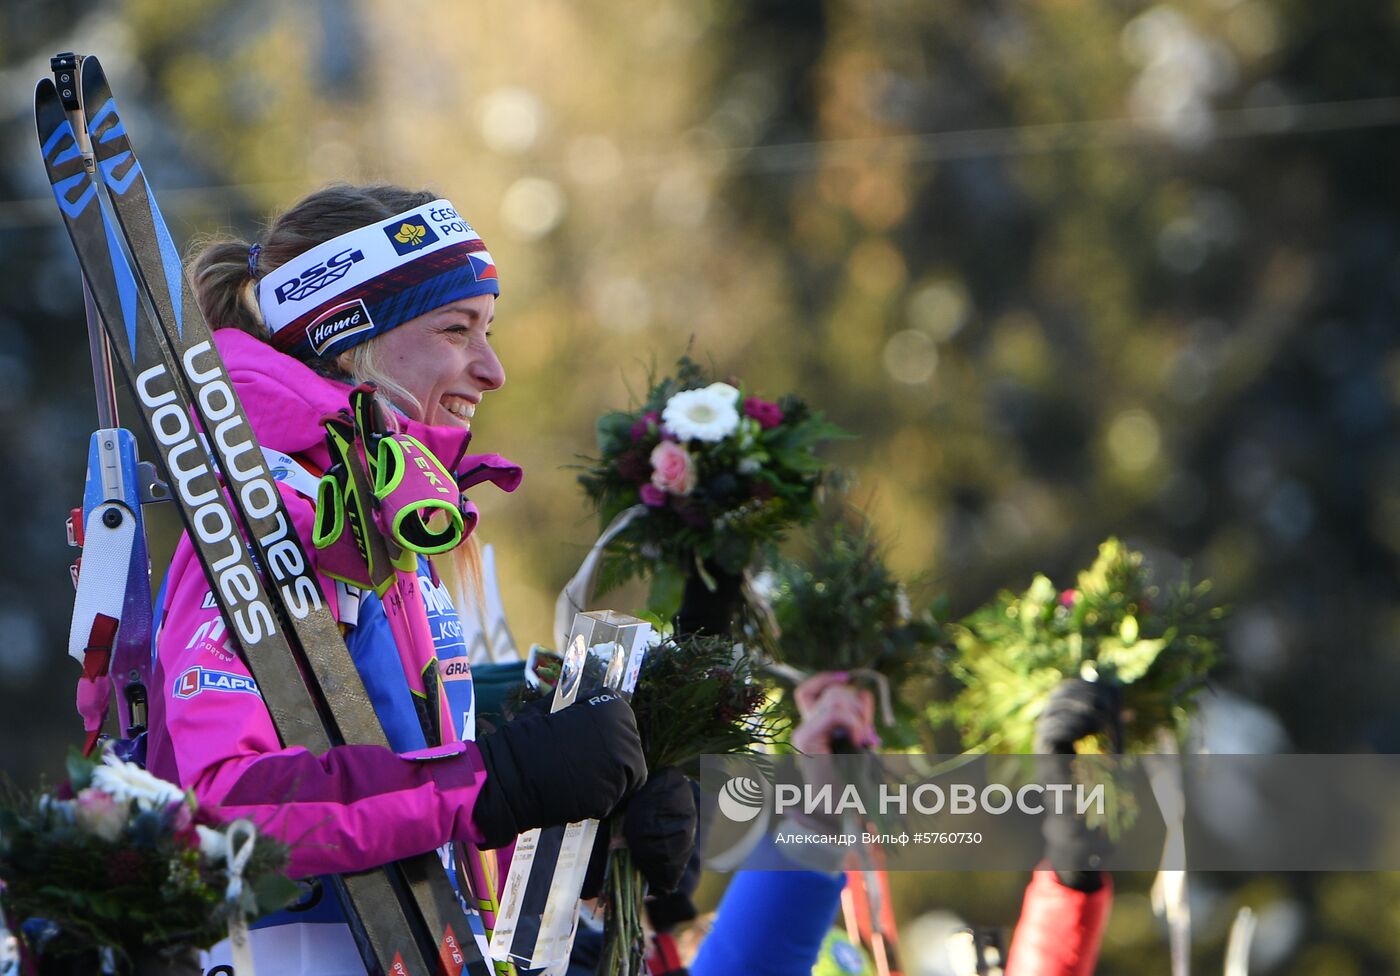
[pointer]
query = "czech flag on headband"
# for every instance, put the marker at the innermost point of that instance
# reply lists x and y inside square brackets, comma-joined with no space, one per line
[482,265]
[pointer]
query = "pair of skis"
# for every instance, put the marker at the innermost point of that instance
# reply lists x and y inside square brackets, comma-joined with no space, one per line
[405,917]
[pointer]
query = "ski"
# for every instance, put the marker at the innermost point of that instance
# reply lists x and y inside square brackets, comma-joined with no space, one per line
[406,917]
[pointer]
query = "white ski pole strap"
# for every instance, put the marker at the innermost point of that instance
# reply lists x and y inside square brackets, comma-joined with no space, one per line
[1170,899]
[578,592]
[499,640]
[241,836]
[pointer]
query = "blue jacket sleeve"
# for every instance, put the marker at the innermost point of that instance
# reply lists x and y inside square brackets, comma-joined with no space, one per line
[770,923]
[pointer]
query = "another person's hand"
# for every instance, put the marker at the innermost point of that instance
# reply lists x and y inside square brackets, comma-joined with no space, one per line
[546,769]
[832,709]
[658,826]
[1076,709]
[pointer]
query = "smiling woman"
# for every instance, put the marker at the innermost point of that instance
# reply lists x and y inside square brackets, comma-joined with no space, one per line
[392,287]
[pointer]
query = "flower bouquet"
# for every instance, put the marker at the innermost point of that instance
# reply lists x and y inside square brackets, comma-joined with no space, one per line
[1156,644]
[119,862]
[696,696]
[709,473]
[841,609]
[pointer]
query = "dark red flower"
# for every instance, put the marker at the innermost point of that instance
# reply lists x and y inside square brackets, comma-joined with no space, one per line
[644,425]
[125,867]
[690,513]
[634,465]
[767,414]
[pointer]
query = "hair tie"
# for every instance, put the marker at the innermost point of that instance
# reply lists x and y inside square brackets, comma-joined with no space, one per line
[253,253]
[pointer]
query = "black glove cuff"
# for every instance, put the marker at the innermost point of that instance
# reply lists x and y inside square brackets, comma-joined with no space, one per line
[493,815]
[1085,881]
[669,910]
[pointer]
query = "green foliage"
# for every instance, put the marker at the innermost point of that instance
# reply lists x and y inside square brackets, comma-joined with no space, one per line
[701,695]
[1115,625]
[126,873]
[840,608]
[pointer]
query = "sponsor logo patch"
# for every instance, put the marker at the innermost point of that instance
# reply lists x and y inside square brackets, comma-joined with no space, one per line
[317,277]
[410,233]
[197,680]
[451,955]
[349,319]
[457,669]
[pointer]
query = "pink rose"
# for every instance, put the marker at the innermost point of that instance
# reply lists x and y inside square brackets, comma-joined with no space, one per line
[99,813]
[672,469]
[653,496]
[767,414]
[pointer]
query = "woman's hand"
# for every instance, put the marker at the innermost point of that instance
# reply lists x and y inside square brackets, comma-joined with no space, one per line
[546,769]
[830,707]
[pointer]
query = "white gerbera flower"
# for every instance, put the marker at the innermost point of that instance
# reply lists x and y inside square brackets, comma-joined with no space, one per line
[125,782]
[710,414]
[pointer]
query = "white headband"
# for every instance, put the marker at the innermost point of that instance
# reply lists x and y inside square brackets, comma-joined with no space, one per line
[361,284]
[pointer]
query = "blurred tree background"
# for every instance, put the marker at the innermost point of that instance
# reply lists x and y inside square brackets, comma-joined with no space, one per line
[1068,269]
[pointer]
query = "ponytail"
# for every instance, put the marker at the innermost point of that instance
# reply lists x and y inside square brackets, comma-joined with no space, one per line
[223,286]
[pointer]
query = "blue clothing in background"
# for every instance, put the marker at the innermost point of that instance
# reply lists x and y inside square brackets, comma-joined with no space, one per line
[770,923]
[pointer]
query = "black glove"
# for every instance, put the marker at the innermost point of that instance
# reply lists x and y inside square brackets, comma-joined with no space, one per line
[545,769]
[1077,708]
[659,828]
[658,825]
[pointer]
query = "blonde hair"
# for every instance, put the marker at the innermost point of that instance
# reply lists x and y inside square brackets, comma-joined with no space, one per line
[360,364]
[461,572]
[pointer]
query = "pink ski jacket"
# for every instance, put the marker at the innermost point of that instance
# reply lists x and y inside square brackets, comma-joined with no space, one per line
[355,806]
